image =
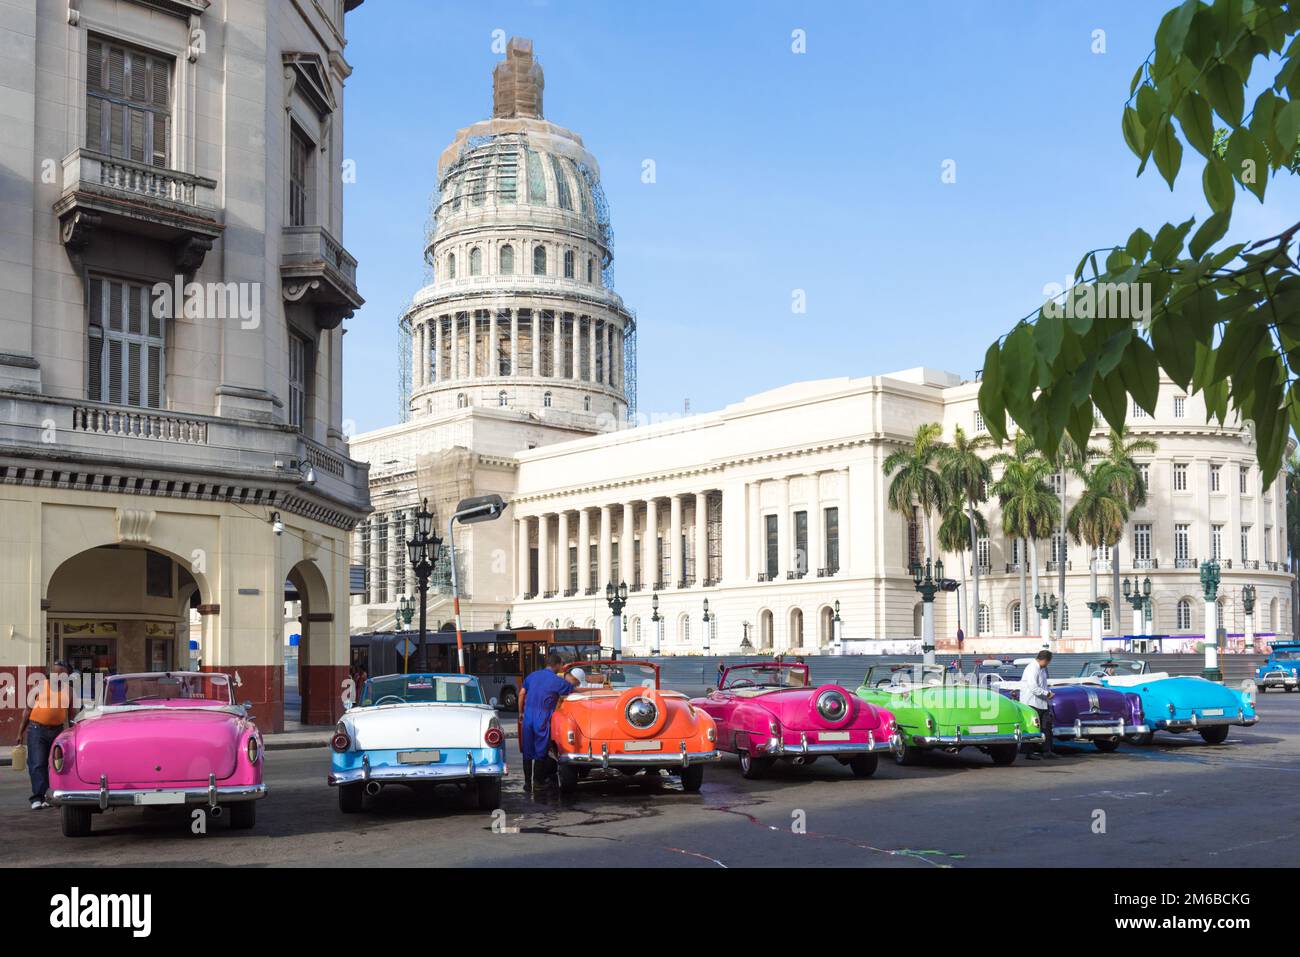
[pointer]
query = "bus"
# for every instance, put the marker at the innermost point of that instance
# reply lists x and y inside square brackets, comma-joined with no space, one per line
[499,659]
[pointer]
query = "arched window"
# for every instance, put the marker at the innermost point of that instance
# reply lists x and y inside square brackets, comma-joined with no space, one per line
[918,619]
[591,269]
[451,265]
[546,400]
[507,260]
[1184,614]
[462,400]
[539,260]
[985,619]
[1017,627]
[568,264]
[476,262]
[502,401]
[586,403]
[685,628]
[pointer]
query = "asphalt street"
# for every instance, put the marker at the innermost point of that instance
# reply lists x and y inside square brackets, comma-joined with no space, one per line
[1176,803]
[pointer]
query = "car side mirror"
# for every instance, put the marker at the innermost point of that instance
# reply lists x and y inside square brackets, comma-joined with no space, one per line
[248,706]
[492,702]
[347,705]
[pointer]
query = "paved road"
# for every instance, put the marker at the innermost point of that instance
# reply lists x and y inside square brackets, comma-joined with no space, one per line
[1176,803]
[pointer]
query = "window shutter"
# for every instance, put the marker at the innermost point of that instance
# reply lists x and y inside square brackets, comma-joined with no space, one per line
[115,371]
[137,136]
[160,144]
[155,322]
[135,303]
[95,355]
[116,129]
[95,125]
[133,374]
[160,75]
[95,65]
[155,376]
[115,306]
[116,70]
[139,81]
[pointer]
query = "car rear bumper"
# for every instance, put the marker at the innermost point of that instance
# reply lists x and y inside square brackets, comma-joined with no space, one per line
[641,759]
[1196,722]
[774,748]
[105,797]
[1115,729]
[971,740]
[1277,679]
[386,769]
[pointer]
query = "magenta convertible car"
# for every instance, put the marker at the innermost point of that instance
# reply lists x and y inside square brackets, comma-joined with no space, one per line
[768,712]
[160,739]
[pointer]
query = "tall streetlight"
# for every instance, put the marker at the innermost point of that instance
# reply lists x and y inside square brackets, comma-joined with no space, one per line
[1046,606]
[616,598]
[927,580]
[1137,595]
[1248,606]
[837,631]
[657,621]
[406,611]
[470,511]
[708,626]
[422,549]
[1210,577]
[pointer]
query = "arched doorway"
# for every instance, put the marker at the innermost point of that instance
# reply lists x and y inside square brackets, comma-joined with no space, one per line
[796,628]
[918,615]
[826,626]
[766,629]
[319,684]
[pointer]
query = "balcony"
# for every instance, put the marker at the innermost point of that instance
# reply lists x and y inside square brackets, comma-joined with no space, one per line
[1184,563]
[1011,567]
[984,568]
[1250,564]
[1145,564]
[101,191]
[317,270]
[794,575]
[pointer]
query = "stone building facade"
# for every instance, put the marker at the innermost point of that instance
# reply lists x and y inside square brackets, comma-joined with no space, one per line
[173,291]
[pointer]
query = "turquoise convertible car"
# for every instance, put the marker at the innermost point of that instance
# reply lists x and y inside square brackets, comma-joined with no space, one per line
[1174,703]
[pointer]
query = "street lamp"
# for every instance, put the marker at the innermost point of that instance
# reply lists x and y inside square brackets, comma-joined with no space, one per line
[1133,595]
[1046,606]
[469,511]
[657,621]
[708,626]
[616,598]
[928,581]
[1210,578]
[1248,606]
[507,618]
[422,549]
[405,611]
[837,631]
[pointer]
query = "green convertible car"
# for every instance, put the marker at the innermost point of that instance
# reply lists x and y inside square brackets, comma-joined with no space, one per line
[935,709]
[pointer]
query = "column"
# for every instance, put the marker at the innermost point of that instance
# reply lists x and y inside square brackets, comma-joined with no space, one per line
[471,341]
[514,342]
[425,364]
[537,341]
[591,348]
[701,539]
[543,554]
[455,346]
[846,528]
[562,554]
[783,530]
[437,350]
[675,540]
[525,570]
[577,348]
[604,552]
[557,345]
[493,362]
[649,558]
[756,541]
[626,536]
[584,550]
[815,559]
[417,346]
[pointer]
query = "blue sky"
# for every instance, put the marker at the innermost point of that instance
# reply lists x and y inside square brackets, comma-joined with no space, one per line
[778,171]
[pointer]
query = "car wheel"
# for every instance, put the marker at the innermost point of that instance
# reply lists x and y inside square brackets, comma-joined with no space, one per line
[907,755]
[864,765]
[1106,744]
[1215,735]
[509,699]
[1143,739]
[489,793]
[751,767]
[350,798]
[1003,754]
[692,778]
[243,815]
[568,776]
[76,821]
[1260,689]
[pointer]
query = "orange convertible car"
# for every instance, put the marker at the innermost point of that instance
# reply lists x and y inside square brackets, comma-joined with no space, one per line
[621,719]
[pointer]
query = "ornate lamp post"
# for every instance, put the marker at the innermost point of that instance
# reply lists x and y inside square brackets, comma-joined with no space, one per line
[837,631]
[616,598]
[927,580]
[1248,606]
[507,618]
[405,611]
[657,621]
[422,549]
[708,627]
[1210,578]
[1046,605]
[1133,595]
[1148,606]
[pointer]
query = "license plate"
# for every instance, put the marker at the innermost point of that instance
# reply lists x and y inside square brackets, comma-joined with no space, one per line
[160,797]
[1212,712]
[418,757]
[983,729]
[833,736]
[643,746]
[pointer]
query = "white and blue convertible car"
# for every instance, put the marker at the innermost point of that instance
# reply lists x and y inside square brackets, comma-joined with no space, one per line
[418,730]
[1174,703]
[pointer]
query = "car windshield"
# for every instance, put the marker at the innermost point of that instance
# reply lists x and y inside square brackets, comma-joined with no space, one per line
[195,689]
[906,674]
[1288,654]
[767,676]
[421,689]
[1096,667]
[608,674]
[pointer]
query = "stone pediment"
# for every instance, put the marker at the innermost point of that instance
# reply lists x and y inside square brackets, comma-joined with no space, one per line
[306,73]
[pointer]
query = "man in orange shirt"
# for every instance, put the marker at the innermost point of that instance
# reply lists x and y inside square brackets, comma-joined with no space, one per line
[49,714]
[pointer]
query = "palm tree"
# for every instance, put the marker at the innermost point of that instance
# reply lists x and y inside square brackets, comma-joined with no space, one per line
[1070,458]
[1128,484]
[915,481]
[967,474]
[958,528]
[1028,505]
[1098,517]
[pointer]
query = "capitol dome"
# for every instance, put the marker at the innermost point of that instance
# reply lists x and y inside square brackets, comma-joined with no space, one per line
[521,315]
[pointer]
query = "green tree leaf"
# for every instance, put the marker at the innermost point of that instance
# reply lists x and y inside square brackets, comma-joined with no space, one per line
[1222,86]
[1211,231]
[1194,118]
[1168,152]
[1217,184]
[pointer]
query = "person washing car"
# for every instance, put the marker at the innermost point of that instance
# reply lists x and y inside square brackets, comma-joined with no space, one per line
[1035,693]
[50,713]
[538,698]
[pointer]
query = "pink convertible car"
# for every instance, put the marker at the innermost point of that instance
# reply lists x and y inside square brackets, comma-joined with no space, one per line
[169,738]
[767,712]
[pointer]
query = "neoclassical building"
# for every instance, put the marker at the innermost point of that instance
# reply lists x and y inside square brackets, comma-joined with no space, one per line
[174,290]
[773,509]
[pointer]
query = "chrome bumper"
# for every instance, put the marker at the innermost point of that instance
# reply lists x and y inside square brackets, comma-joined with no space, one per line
[104,797]
[1277,679]
[1195,722]
[776,748]
[647,759]
[397,774]
[1065,732]
[960,740]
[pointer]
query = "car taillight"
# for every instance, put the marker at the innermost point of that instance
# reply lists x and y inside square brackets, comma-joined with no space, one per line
[56,758]
[252,750]
[340,741]
[774,728]
[494,737]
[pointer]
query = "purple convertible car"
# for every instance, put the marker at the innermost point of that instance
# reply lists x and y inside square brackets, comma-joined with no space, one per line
[1080,712]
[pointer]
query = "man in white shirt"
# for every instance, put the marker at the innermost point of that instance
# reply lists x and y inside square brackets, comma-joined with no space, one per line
[1035,693]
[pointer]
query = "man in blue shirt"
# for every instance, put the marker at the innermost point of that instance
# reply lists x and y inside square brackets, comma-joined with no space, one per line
[541,694]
